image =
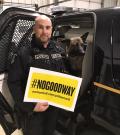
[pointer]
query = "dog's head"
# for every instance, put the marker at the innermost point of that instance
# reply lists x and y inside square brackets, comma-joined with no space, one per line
[75,54]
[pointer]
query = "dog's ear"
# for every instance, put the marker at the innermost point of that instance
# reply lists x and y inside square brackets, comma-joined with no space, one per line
[84,36]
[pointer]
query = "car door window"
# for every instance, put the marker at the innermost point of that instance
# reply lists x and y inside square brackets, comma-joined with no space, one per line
[116,52]
[74,35]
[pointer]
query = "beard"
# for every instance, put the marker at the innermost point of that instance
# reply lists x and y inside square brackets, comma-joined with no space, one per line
[43,39]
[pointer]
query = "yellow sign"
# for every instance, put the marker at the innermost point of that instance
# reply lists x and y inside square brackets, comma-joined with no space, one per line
[58,89]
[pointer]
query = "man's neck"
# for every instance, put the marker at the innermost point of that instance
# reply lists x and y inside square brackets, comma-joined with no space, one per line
[45,45]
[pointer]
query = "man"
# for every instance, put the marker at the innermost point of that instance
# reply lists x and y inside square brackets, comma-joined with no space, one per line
[39,118]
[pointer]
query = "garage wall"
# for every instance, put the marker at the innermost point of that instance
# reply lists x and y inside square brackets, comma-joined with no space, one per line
[83,4]
[110,3]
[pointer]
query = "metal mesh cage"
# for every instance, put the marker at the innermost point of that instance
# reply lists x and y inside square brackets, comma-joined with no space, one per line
[4,45]
[23,29]
[16,34]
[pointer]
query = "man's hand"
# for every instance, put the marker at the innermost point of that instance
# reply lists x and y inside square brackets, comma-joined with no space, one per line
[41,107]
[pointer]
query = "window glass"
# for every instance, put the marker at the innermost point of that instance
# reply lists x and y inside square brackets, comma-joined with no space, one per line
[116,52]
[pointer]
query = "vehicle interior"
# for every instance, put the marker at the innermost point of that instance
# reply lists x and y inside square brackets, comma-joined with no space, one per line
[74,36]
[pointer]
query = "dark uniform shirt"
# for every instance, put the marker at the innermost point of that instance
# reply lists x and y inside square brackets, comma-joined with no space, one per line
[35,56]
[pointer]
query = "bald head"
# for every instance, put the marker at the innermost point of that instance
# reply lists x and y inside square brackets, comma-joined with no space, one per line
[43,29]
[44,18]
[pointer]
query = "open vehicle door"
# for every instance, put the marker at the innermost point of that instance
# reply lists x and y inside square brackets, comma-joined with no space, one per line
[15,31]
[105,78]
